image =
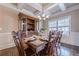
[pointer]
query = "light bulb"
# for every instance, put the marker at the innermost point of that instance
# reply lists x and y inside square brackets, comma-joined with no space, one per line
[38,16]
[44,18]
[43,15]
[47,16]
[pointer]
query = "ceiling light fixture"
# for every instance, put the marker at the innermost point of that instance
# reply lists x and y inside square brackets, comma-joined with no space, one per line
[43,16]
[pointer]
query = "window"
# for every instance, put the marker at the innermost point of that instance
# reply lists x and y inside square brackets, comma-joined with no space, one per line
[60,24]
[52,25]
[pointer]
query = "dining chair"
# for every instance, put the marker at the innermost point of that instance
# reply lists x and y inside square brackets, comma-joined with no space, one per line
[58,43]
[50,51]
[53,42]
[19,44]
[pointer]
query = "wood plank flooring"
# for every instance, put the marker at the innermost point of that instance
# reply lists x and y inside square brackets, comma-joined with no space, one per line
[9,52]
[65,51]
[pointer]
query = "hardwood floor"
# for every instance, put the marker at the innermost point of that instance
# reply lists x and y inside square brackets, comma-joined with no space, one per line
[65,51]
[69,50]
[9,52]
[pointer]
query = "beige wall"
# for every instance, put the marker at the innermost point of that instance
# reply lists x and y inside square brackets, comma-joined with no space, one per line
[75,21]
[8,23]
[74,27]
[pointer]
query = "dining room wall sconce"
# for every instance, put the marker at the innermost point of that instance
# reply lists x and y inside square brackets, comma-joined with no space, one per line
[0,28]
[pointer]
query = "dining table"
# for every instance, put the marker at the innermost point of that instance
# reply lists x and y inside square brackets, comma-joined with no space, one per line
[36,43]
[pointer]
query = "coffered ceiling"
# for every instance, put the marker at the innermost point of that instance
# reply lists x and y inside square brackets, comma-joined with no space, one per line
[34,9]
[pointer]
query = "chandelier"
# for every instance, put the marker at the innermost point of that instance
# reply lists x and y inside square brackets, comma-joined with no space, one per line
[43,16]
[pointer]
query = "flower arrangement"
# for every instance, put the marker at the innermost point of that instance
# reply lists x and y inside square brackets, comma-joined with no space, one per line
[42,30]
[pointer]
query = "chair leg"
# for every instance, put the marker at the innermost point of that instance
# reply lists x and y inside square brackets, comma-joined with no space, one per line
[56,50]
[37,54]
[59,49]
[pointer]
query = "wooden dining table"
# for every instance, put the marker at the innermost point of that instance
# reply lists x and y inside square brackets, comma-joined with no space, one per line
[36,43]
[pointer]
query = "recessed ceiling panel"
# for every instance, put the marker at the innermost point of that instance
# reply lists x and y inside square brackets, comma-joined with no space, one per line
[68,5]
[55,10]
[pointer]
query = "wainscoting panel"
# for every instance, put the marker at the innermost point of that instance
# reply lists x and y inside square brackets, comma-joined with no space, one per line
[73,39]
[6,41]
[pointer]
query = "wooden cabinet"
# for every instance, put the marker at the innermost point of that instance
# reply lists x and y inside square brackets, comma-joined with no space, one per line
[30,25]
[26,23]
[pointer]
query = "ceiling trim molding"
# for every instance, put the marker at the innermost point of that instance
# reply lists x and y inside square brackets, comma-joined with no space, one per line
[66,11]
[8,5]
[62,6]
[28,13]
[18,10]
[37,6]
[52,6]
